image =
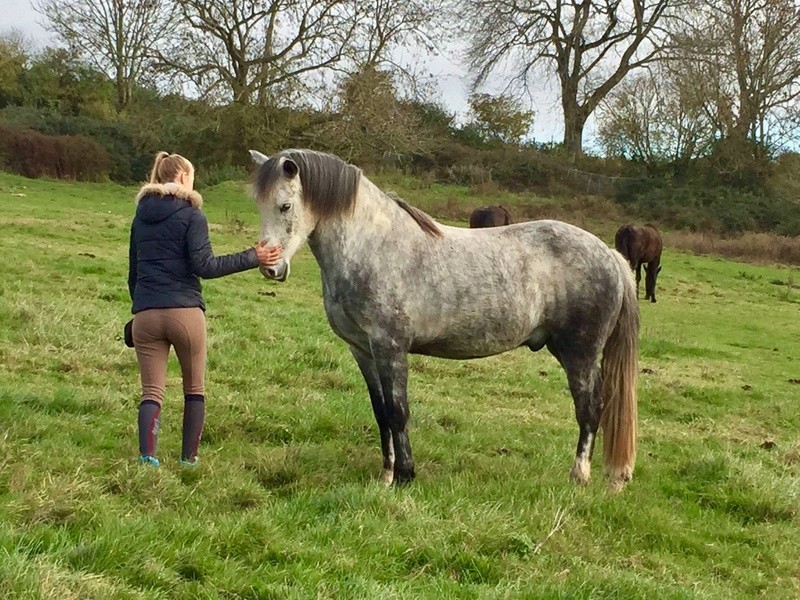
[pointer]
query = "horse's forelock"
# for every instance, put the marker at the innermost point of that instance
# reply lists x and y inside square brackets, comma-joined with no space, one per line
[265,177]
[329,183]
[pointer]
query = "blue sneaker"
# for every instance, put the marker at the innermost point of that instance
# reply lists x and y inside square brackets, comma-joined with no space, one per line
[190,463]
[148,460]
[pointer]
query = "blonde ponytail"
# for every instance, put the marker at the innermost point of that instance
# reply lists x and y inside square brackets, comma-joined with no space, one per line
[167,167]
[154,171]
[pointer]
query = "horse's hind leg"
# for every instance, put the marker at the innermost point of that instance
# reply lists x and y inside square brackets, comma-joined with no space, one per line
[367,366]
[585,384]
[638,277]
[651,272]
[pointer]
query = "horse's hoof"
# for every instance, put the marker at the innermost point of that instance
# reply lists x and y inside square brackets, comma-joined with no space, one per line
[403,476]
[387,477]
[578,480]
[580,473]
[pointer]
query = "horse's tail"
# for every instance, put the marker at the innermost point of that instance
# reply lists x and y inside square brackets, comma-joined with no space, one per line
[620,370]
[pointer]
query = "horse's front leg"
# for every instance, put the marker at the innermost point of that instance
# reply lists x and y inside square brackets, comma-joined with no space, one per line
[370,372]
[392,366]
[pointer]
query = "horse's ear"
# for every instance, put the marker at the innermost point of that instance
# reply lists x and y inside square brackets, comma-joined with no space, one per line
[290,168]
[258,158]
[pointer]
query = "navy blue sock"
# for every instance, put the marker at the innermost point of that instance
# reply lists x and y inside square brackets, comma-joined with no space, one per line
[194,414]
[148,427]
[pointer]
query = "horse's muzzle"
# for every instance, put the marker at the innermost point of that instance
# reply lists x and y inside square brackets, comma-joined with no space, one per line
[279,272]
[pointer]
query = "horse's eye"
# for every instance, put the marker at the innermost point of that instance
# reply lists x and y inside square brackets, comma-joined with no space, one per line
[285,207]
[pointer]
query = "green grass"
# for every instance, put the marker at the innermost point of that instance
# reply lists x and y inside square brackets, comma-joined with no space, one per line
[286,502]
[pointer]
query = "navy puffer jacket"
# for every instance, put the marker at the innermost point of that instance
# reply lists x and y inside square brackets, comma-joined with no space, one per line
[170,250]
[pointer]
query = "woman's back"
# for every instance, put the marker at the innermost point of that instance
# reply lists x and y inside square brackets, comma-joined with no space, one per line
[161,270]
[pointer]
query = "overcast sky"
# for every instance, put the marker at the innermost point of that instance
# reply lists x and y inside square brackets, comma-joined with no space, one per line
[547,127]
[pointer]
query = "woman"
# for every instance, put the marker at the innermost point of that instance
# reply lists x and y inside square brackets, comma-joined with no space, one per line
[169,251]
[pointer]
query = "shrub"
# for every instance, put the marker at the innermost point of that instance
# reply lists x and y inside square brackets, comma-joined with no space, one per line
[126,161]
[518,169]
[33,154]
[719,209]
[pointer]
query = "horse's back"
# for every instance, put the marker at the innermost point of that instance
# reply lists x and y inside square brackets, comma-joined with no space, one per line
[531,283]
[583,272]
[531,242]
[531,272]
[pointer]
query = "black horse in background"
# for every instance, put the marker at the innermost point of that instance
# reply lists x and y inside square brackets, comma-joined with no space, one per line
[641,245]
[489,216]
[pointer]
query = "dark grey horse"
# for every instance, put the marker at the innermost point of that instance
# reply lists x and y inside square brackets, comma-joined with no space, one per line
[489,216]
[396,282]
[642,246]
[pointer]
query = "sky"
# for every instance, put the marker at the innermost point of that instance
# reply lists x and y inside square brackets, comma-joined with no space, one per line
[448,73]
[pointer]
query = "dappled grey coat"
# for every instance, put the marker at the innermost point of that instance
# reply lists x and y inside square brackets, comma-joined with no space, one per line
[170,250]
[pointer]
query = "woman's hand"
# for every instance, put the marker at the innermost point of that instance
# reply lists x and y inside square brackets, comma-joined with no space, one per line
[268,257]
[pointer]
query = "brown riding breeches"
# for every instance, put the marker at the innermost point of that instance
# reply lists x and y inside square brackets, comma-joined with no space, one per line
[154,331]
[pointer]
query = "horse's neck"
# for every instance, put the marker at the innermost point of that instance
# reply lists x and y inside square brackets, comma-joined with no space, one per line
[343,243]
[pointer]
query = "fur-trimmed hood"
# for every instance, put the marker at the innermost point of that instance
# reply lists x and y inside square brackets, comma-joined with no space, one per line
[170,189]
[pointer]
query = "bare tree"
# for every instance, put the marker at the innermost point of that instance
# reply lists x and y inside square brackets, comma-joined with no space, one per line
[657,116]
[244,50]
[590,45]
[118,36]
[627,119]
[386,25]
[749,54]
[400,35]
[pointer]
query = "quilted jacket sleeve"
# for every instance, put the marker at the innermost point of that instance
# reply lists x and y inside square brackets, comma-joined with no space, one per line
[201,255]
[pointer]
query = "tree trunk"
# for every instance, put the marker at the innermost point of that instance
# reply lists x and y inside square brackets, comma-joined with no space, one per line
[119,57]
[122,90]
[574,122]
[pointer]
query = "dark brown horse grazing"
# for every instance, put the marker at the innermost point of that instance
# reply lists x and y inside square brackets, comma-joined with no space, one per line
[489,216]
[641,245]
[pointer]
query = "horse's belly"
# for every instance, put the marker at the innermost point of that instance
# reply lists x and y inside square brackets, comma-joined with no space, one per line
[452,349]
[476,339]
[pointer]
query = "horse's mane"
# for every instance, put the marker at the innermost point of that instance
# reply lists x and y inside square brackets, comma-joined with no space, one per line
[329,185]
[423,219]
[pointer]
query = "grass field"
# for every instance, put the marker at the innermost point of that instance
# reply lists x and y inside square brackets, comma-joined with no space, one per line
[286,502]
